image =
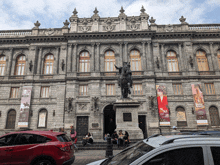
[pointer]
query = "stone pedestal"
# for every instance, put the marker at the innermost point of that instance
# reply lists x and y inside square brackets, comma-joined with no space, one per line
[127,117]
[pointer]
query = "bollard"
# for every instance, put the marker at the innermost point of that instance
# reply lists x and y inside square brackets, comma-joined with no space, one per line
[109,150]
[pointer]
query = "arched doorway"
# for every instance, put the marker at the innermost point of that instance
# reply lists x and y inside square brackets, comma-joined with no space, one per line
[109,114]
[11,119]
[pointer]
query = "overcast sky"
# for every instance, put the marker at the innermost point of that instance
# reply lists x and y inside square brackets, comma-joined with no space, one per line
[22,14]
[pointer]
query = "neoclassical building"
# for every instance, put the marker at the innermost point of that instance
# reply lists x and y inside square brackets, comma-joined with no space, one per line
[50,78]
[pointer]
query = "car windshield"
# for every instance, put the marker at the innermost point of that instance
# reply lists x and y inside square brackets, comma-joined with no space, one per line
[130,154]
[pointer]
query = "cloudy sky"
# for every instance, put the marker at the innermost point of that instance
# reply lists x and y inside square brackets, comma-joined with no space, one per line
[22,14]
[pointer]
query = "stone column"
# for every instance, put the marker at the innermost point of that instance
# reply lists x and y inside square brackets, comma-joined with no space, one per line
[92,63]
[69,58]
[39,61]
[143,59]
[213,58]
[163,58]
[181,59]
[209,57]
[149,57]
[97,58]
[9,64]
[74,59]
[56,62]
[126,52]
[120,55]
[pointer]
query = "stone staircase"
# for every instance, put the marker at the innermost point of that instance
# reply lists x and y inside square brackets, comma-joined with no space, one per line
[102,145]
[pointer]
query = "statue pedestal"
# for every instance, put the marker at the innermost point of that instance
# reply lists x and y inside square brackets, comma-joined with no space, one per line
[127,117]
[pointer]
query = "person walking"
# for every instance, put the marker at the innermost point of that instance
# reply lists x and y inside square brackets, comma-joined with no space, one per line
[174,129]
[73,134]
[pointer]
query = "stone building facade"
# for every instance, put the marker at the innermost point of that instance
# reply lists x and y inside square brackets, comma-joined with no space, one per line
[70,70]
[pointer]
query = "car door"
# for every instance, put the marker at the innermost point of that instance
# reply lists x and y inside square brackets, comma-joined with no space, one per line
[6,148]
[179,156]
[26,147]
[214,154]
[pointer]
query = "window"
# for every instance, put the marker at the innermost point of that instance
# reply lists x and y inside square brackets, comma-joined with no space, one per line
[20,65]
[183,156]
[42,118]
[172,62]
[110,61]
[45,91]
[11,117]
[2,65]
[137,89]
[14,92]
[214,116]
[218,56]
[83,90]
[181,117]
[84,61]
[135,59]
[216,154]
[177,89]
[209,88]
[48,64]
[202,61]
[31,139]
[8,140]
[110,89]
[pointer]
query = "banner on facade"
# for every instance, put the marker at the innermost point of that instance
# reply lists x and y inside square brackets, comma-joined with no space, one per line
[162,103]
[25,107]
[201,117]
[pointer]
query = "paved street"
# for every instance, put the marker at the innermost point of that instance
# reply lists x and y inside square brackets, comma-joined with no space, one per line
[87,156]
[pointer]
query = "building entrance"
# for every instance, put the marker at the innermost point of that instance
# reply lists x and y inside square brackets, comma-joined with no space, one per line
[109,120]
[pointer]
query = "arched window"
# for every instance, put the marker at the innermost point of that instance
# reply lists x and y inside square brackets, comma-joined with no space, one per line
[110,61]
[84,62]
[11,117]
[20,65]
[181,117]
[135,59]
[42,119]
[214,116]
[172,62]
[202,61]
[48,64]
[218,56]
[2,65]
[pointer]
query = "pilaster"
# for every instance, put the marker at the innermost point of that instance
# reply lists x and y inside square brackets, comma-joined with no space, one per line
[69,58]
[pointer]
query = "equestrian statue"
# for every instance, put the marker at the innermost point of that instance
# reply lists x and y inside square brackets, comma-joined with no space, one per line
[125,79]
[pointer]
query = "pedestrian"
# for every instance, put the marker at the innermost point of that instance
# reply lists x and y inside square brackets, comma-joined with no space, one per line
[73,134]
[87,139]
[120,138]
[126,138]
[114,138]
[174,129]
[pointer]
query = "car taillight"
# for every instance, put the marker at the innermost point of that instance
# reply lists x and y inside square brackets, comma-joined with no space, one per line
[64,148]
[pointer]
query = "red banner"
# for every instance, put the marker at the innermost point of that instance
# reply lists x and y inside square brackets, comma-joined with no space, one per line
[25,107]
[162,103]
[201,117]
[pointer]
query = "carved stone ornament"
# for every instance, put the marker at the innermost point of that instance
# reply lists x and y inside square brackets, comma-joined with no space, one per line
[85,28]
[109,28]
[169,28]
[75,12]
[37,24]
[151,101]
[157,63]
[108,21]
[30,66]
[62,65]
[95,104]
[68,104]
[50,31]
[182,20]
[83,107]
[152,21]
[133,26]
[66,24]
[191,61]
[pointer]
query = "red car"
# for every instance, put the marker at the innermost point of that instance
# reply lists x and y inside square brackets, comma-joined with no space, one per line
[36,148]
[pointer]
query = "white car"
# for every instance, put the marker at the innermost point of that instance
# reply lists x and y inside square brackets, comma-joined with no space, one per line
[169,150]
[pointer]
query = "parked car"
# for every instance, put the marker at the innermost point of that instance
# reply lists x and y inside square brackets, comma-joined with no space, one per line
[36,148]
[169,150]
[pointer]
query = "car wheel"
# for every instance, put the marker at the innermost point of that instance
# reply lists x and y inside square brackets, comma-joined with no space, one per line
[43,162]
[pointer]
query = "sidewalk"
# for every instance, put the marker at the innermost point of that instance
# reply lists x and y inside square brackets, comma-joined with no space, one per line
[87,156]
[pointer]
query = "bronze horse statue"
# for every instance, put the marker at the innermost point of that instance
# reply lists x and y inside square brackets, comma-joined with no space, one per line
[125,79]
